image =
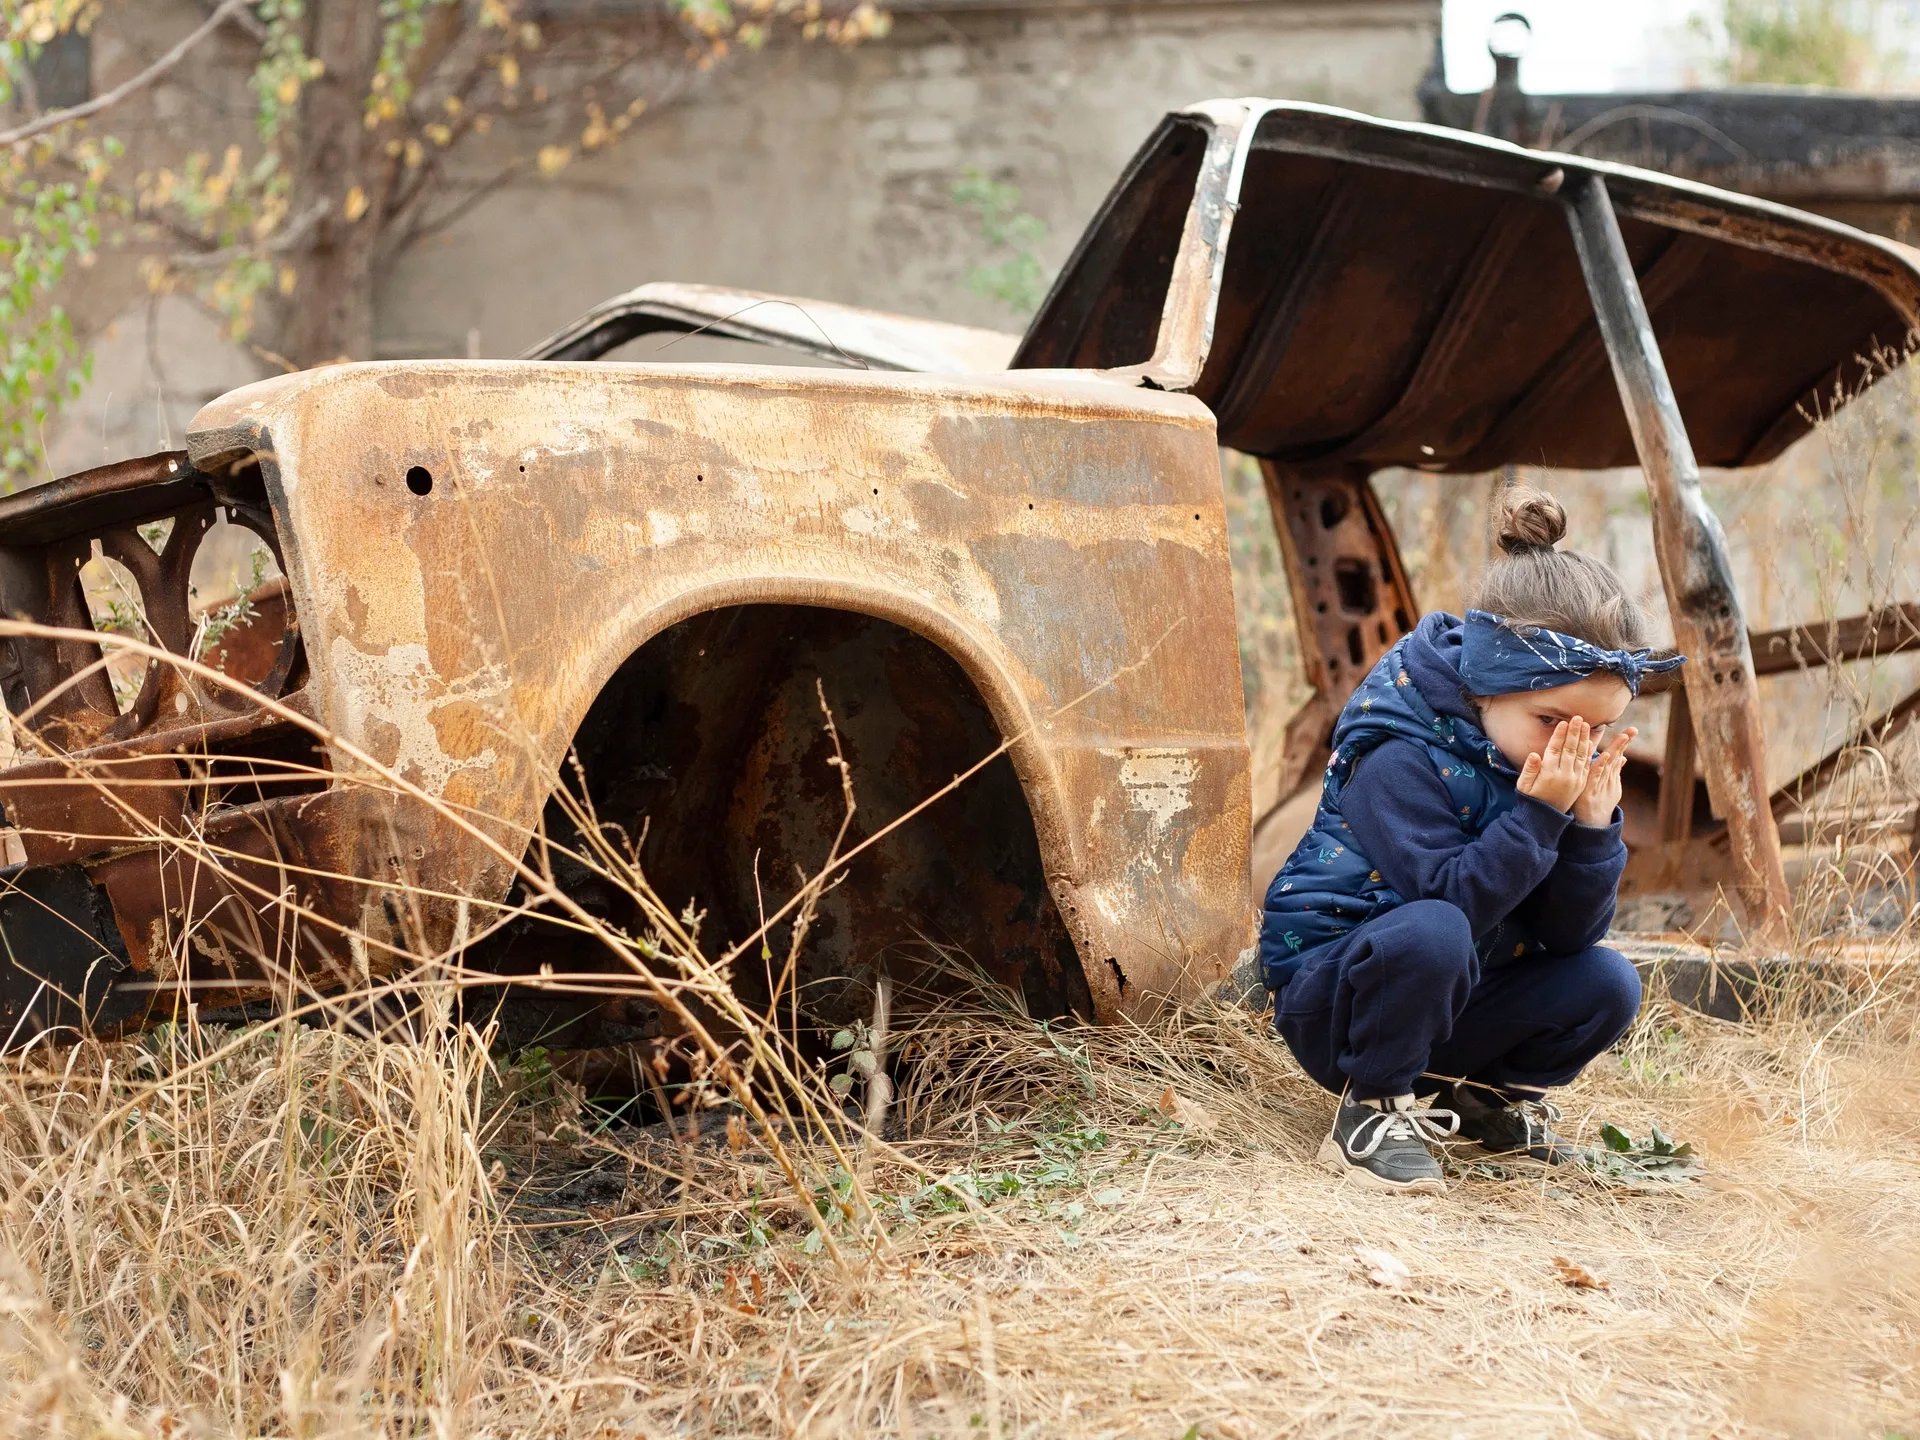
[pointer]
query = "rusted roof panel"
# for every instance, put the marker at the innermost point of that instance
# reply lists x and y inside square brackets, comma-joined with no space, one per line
[1383,294]
[840,334]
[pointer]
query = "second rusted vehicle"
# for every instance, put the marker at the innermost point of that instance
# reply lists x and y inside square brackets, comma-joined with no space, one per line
[647,585]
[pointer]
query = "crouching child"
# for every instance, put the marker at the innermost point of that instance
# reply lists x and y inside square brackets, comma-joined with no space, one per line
[1439,926]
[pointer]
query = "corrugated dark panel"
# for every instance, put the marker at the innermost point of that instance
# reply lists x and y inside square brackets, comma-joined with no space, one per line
[1396,296]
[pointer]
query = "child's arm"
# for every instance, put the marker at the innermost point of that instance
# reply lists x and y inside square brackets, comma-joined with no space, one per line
[1573,908]
[1403,821]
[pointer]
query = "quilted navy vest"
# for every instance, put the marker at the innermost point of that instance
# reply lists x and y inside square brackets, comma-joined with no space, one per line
[1328,887]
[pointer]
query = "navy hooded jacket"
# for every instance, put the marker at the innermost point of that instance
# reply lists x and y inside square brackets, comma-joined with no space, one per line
[1418,804]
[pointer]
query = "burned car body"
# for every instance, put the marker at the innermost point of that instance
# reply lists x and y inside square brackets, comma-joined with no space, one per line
[656,582]
[492,563]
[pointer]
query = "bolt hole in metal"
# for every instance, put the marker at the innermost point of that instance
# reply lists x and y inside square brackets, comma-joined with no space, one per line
[1333,509]
[420,480]
[1353,581]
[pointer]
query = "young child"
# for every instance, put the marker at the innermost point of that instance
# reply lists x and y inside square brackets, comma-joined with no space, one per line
[1443,917]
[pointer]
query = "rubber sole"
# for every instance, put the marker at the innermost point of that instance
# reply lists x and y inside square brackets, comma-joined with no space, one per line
[1334,1159]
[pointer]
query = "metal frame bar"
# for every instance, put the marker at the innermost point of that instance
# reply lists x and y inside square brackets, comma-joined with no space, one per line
[1691,548]
[1330,526]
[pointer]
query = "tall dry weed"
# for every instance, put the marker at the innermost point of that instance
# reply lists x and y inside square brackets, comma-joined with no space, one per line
[384,1226]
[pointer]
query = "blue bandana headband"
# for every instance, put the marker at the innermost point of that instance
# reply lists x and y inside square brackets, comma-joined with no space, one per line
[1499,657]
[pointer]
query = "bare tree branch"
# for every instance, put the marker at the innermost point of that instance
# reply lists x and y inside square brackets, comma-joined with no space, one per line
[292,237]
[243,19]
[121,91]
[457,211]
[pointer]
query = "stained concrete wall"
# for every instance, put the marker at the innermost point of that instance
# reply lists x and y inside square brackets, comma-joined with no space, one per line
[804,168]
[830,174]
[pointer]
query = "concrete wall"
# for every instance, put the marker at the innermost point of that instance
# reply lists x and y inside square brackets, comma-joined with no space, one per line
[830,174]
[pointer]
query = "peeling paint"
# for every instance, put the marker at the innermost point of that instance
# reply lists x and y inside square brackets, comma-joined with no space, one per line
[1158,783]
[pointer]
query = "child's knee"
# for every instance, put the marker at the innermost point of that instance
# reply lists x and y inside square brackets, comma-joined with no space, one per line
[1433,940]
[1440,927]
[1614,987]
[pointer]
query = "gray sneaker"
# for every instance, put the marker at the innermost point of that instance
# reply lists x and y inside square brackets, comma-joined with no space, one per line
[1383,1144]
[1508,1128]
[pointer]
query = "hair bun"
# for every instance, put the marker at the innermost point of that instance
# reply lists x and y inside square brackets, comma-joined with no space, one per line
[1530,520]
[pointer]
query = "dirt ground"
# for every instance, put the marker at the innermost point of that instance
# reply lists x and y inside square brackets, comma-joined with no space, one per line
[1073,1233]
[1153,1278]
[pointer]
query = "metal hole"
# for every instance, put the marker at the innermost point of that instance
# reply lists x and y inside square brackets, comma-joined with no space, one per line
[420,480]
[1353,583]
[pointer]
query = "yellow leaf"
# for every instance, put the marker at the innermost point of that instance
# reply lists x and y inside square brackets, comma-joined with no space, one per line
[1185,1113]
[554,159]
[454,105]
[530,35]
[1578,1277]
[288,90]
[494,14]
[509,71]
[288,278]
[414,153]
[439,134]
[356,205]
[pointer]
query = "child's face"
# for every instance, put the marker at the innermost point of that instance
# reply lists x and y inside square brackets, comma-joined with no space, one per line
[1521,724]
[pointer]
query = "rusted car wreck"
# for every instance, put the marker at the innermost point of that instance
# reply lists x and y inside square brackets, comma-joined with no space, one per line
[967,541]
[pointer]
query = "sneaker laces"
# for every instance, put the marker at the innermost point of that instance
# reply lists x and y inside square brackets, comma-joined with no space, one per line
[1410,1124]
[1539,1116]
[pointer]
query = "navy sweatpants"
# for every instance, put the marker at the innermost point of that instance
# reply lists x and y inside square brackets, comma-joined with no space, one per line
[1404,995]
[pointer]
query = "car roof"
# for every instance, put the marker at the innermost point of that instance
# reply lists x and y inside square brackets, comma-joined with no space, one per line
[1348,291]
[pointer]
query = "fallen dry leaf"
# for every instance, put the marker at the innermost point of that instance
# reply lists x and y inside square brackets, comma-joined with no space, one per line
[1578,1276]
[1185,1112]
[1383,1267]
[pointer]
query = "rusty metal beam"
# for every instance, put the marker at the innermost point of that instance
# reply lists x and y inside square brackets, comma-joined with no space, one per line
[1890,630]
[1676,772]
[1886,631]
[1874,732]
[1351,596]
[1561,381]
[1692,550]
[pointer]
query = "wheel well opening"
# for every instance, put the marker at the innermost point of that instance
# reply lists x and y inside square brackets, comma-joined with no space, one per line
[709,748]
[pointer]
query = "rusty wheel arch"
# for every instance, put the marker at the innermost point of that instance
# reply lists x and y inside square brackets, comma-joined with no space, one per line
[991,673]
[707,741]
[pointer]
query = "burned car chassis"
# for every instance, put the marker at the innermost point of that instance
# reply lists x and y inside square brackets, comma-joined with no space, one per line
[654,584]
[488,573]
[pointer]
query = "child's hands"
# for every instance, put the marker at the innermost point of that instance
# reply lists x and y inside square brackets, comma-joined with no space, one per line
[1596,803]
[1557,777]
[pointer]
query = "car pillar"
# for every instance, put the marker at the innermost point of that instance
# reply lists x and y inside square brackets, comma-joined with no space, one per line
[1723,699]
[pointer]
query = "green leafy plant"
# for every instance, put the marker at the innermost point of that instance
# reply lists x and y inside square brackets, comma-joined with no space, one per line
[1654,1163]
[857,1043]
[1017,280]
[1835,43]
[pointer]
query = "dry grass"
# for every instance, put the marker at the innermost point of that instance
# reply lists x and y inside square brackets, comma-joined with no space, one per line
[302,1231]
[292,1231]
